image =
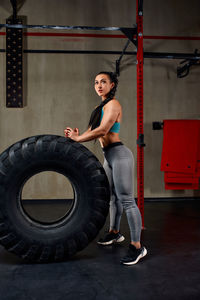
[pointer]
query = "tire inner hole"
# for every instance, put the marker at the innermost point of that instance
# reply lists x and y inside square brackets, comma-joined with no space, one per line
[47,197]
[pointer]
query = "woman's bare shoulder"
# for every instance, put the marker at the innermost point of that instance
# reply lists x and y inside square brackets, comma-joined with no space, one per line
[114,102]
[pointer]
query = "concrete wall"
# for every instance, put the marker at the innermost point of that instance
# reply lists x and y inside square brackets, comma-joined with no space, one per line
[60,86]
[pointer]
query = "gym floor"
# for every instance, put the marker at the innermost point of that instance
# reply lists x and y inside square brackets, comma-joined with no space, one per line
[171,270]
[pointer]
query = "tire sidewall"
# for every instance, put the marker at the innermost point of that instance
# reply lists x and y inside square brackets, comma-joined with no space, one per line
[79,174]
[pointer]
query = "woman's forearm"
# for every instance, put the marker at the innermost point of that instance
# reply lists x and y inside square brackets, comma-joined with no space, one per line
[91,135]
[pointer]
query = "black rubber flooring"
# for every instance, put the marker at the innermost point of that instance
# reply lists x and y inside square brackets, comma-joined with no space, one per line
[171,269]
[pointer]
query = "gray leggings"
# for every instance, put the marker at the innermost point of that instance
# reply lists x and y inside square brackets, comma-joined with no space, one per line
[118,165]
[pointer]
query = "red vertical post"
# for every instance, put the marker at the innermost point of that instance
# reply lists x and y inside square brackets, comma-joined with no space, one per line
[140,127]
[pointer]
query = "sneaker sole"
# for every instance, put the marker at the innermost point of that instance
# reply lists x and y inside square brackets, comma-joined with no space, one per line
[121,239]
[135,261]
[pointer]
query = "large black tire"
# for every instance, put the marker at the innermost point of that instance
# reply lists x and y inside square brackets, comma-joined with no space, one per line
[60,240]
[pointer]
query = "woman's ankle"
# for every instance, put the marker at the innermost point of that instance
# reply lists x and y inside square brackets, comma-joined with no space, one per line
[113,230]
[136,244]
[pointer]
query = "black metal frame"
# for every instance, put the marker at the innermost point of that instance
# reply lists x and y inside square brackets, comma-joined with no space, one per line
[14,6]
[183,71]
[158,55]
[131,33]
[60,27]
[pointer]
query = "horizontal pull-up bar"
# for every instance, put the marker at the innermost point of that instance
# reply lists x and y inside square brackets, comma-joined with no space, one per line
[59,27]
[169,55]
[130,33]
[159,55]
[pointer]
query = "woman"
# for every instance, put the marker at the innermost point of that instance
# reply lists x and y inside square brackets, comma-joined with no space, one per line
[104,124]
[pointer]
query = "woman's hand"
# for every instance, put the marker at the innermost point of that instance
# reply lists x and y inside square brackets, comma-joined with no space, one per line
[72,133]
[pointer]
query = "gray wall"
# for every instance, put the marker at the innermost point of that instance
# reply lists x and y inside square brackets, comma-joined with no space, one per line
[60,86]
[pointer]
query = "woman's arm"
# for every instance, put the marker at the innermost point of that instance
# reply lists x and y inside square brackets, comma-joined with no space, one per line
[111,113]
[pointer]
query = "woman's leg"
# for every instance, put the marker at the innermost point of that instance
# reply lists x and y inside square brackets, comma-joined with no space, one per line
[123,182]
[121,160]
[116,208]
